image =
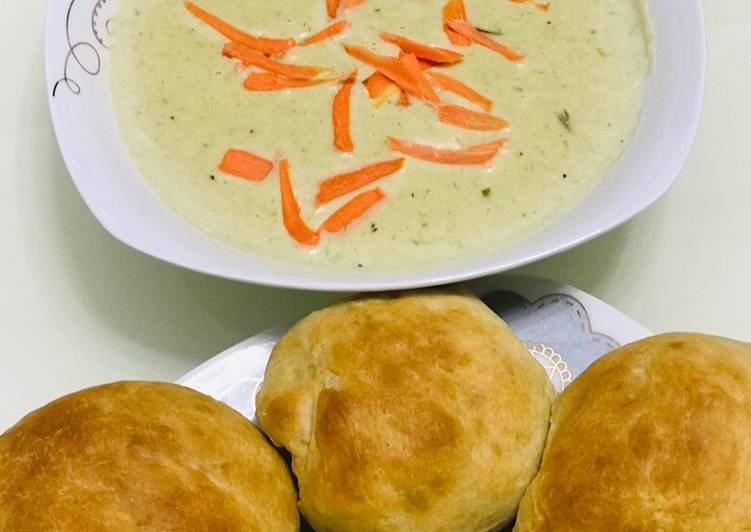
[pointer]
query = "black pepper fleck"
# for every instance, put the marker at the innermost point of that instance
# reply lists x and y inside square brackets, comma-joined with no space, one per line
[565,176]
[486,192]
[212,177]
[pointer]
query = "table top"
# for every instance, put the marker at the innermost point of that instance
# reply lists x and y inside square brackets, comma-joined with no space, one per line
[78,308]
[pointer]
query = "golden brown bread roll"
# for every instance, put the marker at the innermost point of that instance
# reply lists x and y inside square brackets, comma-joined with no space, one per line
[141,456]
[417,412]
[655,436]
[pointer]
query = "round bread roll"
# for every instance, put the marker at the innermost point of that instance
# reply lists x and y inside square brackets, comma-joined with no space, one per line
[142,456]
[655,436]
[417,412]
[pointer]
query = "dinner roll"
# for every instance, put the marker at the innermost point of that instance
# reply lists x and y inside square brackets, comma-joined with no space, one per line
[654,436]
[141,456]
[412,412]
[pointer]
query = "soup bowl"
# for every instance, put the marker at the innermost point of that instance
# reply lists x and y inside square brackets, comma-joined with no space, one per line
[78,41]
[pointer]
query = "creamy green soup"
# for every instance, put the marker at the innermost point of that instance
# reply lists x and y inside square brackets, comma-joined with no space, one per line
[572,106]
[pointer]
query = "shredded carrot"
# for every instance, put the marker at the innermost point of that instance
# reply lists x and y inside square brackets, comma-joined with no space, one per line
[455,10]
[422,51]
[340,115]
[540,6]
[380,88]
[246,165]
[352,210]
[414,69]
[251,57]
[293,222]
[479,154]
[260,44]
[267,81]
[332,8]
[447,83]
[340,185]
[403,99]
[470,32]
[459,116]
[327,33]
[390,67]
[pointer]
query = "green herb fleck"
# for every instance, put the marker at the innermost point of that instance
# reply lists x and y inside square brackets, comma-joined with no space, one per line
[486,192]
[565,119]
[490,32]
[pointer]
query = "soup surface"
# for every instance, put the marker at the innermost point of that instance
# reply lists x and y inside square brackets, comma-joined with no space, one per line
[571,104]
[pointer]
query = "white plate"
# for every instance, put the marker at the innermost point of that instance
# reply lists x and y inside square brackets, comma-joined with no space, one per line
[77,40]
[564,328]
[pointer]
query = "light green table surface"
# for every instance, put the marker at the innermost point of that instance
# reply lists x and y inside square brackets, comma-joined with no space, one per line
[77,308]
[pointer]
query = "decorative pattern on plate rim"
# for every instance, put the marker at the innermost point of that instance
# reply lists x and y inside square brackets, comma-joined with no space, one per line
[557,331]
[581,313]
[83,53]
[553,363]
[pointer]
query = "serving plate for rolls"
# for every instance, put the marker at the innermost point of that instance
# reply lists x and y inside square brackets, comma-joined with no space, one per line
[564,328]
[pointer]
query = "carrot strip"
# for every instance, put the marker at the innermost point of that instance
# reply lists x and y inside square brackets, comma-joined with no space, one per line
[260,44]
[455,10]
[340,185]
[251,57]
[267,81]
[403,99]
[422,51]
[390,67]
[380,88]
[332,7]
[246,165]
[447,83]
[293,222]
[414,69]
[326,33]
[459,116]
[352,210]
[340,115]
[470,32]
[540,6]
[424,65]
[479,154]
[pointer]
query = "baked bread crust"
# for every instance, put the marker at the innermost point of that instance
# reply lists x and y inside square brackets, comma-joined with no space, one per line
[654,436]
[141,456]
[412,412]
